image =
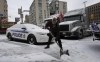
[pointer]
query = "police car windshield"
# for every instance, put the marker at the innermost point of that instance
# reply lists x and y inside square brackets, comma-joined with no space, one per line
[31,26]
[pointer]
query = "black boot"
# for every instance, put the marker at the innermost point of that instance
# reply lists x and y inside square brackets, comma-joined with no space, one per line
[61,52]
[67,52]
[46,47]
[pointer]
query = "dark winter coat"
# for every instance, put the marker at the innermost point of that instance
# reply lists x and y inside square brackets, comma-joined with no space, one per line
[53,28]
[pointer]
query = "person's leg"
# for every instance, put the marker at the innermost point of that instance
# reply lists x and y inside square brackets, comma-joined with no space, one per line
[58,41]
[49,41]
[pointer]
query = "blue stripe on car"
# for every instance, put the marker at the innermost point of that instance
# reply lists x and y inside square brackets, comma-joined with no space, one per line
[19,31]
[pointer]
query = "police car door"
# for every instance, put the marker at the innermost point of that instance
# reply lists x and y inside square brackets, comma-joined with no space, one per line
[23,32]
[15,31]
[18,32]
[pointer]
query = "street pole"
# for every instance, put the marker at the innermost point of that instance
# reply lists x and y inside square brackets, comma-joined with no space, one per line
[21,14]
[85,14]
[85,5]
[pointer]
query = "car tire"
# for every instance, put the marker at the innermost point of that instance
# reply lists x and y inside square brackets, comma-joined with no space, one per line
[32,39]
[9,37]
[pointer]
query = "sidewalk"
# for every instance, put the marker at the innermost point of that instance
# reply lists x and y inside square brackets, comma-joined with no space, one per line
[35,57]
[10,52]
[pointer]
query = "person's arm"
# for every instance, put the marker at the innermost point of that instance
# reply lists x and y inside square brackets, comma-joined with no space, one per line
[47,26]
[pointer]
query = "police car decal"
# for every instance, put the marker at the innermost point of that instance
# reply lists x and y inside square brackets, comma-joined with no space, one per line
[18,33]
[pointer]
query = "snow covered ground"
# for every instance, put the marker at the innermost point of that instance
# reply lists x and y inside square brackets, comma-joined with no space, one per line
[83,50]
[2,36]
[11,51]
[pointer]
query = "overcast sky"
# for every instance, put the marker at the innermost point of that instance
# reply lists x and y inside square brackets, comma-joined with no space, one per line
[13,5]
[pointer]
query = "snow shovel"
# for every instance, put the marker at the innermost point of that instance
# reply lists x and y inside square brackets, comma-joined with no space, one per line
[61,51]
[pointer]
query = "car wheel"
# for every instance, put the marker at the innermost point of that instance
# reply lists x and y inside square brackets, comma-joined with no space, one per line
[9,37]
[31,39]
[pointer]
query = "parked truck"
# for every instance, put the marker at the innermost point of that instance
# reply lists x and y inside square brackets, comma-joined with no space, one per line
[4,24]
[75,24]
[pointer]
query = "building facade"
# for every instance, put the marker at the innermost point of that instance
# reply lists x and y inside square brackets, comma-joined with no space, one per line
[93,13]
[57,7]
[39,10]
[26,19]
[3,8]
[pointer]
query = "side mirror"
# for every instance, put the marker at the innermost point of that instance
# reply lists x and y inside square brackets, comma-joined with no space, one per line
[23,28]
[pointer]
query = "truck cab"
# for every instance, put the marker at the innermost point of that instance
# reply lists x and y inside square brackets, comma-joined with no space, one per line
[75,24]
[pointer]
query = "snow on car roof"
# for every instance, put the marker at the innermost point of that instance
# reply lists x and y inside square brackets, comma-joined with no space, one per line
[75,12]
[32,26]
[67,22]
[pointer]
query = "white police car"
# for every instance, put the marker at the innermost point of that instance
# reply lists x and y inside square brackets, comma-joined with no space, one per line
[29,32]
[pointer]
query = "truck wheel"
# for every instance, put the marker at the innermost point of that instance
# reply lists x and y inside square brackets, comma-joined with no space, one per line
[80,35]
[62,36]
[93,39]
[31,39]
[9,37]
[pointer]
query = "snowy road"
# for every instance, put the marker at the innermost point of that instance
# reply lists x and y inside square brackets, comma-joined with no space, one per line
[84,50]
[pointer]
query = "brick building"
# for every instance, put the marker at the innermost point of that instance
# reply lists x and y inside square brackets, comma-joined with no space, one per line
[93,13]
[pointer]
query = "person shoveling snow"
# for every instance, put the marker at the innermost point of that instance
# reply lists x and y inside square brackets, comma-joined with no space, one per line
[53,27]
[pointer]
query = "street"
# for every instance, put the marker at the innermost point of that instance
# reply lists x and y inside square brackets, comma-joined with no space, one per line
[82,50]
[49,31]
